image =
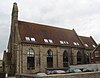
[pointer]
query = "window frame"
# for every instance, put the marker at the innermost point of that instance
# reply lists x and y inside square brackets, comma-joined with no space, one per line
[65,59]
[96,53]
[49,57]
[30,59]
[27,38]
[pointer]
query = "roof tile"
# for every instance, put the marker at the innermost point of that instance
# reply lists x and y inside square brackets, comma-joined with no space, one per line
[41,32]
[88,42]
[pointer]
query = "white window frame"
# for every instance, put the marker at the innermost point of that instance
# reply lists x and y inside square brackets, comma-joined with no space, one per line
[78,44]
[61,42]
[74,43]
[32,39]
[67,42]
[27,38]
[86,45]
[46,41]
[50,41]
[93,45]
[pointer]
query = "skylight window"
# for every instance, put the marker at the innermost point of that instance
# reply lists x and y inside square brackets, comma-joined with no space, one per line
[32,39]
[27,38]
[78,44]
[61,42]
[86,45]
[67,42]
[74,43]
[93,45]
[50,41]
[64,42]
[45,40]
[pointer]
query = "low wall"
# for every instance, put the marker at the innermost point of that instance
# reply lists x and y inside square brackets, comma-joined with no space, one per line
[89,66]
[72,75]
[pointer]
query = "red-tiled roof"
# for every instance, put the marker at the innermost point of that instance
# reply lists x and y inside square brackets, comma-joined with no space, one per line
[88,42]
[41,32]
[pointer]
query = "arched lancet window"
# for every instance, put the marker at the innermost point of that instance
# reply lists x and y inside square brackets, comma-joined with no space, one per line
[87,58]
[79,58]
[65,59]
[30,59]
[49,59]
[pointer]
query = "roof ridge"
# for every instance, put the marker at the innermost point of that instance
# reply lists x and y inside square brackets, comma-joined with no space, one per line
[85,36]
[52,26]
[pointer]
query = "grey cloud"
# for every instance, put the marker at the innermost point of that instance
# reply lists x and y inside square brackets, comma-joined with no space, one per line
[82,15]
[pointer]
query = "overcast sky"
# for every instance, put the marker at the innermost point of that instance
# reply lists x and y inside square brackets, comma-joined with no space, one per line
[82,15]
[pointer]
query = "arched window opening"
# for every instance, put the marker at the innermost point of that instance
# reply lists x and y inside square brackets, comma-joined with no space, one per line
[87,58]
[49,59]
[65,59]
[79,58]
[30,59]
